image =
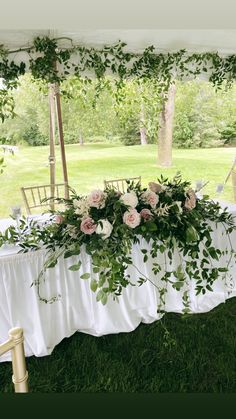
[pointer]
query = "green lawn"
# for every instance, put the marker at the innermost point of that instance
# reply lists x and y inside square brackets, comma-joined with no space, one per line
[89,165]
[195,354]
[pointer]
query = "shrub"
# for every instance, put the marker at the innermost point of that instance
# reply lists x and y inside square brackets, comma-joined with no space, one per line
[228,134]
[34,137]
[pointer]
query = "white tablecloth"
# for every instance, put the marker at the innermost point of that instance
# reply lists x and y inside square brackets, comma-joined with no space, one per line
[45,325]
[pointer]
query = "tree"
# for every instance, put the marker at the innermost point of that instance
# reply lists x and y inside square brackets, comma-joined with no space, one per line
[166,128]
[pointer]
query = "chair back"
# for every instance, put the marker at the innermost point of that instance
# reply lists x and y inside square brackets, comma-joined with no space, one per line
[233,176]
[121,184]
[43,196]
[15,344]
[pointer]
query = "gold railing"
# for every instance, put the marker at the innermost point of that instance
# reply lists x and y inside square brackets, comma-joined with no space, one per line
[16,346]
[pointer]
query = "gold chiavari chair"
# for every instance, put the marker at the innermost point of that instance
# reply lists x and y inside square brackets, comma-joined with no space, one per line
[15,344]
[233,176]
[42,196]
[121,184]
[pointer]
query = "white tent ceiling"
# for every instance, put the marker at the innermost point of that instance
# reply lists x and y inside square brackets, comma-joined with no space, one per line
[223,41]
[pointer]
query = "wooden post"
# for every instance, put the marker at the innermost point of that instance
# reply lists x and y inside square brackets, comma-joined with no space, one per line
[52,144]
[166,129]
[61,137]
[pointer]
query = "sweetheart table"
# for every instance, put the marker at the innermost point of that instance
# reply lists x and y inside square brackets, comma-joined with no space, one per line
[45,325]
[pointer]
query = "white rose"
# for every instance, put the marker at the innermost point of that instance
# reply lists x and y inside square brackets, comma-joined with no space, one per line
[105,228]
[130,199]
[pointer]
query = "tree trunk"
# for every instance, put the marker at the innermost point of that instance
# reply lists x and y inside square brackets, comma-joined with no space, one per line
[81,138]
[142,129]
[166,129]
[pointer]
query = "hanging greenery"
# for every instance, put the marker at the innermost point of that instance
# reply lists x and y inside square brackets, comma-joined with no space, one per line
[52,63]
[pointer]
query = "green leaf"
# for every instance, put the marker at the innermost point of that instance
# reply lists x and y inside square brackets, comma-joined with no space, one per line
[101,281]
[104,299]
[52,264]
[93,285]
[191,234]
[178,285]
[151,226]
[85,276]
[68,254]
[99,295]
[223,269]
[75,267]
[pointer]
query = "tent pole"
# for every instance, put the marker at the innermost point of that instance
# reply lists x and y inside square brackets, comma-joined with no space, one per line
[52,144]
[61,138]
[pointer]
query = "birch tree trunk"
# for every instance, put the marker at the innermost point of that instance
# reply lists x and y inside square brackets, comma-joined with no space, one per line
[165,132]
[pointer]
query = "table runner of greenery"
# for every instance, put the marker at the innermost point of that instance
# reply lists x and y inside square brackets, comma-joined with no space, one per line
[168,215]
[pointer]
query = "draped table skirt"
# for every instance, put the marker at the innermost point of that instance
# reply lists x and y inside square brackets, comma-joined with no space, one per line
[45,325]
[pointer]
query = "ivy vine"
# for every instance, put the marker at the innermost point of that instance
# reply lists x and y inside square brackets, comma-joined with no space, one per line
[52,63]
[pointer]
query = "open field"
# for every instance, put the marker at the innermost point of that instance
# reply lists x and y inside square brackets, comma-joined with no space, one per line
[89,165]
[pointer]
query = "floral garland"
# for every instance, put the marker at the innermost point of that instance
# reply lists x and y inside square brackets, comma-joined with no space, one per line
[167,215]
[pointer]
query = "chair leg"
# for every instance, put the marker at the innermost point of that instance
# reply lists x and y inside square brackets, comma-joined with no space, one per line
[20,374]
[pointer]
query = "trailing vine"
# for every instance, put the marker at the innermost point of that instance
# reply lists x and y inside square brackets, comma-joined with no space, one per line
[48,61]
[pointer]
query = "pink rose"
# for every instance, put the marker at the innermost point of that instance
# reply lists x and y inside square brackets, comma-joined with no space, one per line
[97,199]
[59,219]
[191,199]
[155,187]
[88,226]
[146,214]
[150,198]
[132,218]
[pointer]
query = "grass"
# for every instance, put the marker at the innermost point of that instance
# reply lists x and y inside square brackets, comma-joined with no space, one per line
[89,165]
[177,354]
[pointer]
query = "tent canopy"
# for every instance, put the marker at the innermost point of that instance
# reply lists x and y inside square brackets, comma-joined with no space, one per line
[165,40]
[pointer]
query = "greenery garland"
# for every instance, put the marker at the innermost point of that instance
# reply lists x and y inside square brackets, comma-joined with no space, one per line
[52,63]
[168,222]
